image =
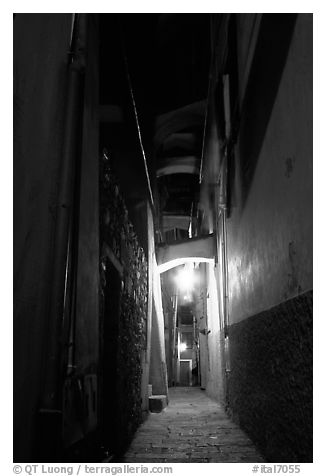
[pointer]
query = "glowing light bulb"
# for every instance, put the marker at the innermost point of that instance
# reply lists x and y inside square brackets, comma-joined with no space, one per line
[182,346]
[185,278]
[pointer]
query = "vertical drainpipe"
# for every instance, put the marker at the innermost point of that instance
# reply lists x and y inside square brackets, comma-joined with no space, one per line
[222,243]
[50,413]
[222,208]
[174,332]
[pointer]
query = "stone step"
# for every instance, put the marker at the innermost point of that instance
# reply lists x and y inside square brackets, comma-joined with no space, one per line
[157,403]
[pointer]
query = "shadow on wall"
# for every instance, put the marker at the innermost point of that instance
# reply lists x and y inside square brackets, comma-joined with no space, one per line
[270,56]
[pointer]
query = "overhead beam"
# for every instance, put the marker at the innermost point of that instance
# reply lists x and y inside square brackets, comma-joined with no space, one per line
[174,121]
[202,249]
[170,222]
[179,165]
[180,140]
[180,261]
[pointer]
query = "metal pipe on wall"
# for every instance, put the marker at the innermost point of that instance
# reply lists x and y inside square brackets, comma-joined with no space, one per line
[51,399]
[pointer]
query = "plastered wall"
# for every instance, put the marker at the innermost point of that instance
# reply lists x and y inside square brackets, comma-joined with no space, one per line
[41,43]
[270,228]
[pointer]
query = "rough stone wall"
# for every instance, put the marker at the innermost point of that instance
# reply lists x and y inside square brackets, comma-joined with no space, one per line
[270,383]
[118,235]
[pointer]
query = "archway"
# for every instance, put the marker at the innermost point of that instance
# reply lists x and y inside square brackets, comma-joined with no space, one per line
[192,317]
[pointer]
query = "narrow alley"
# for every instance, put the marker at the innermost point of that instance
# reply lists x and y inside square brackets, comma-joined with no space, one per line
[192,429]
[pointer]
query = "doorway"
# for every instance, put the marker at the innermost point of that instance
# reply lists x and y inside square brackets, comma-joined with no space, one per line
[185,373]
[110,339]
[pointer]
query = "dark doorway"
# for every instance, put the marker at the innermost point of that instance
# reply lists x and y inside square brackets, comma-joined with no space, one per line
[112,296]
[185,373]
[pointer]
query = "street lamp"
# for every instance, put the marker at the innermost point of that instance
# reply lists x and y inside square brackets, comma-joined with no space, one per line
[186,278]
[182,346]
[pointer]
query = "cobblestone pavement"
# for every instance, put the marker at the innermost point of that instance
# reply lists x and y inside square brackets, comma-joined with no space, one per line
[192,429]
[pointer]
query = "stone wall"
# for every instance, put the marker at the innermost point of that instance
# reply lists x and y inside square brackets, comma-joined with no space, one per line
[270,383]
[119,245]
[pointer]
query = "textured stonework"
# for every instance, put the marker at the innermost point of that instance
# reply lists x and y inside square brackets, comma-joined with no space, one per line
[117,235]
[192,429]
[270,383]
